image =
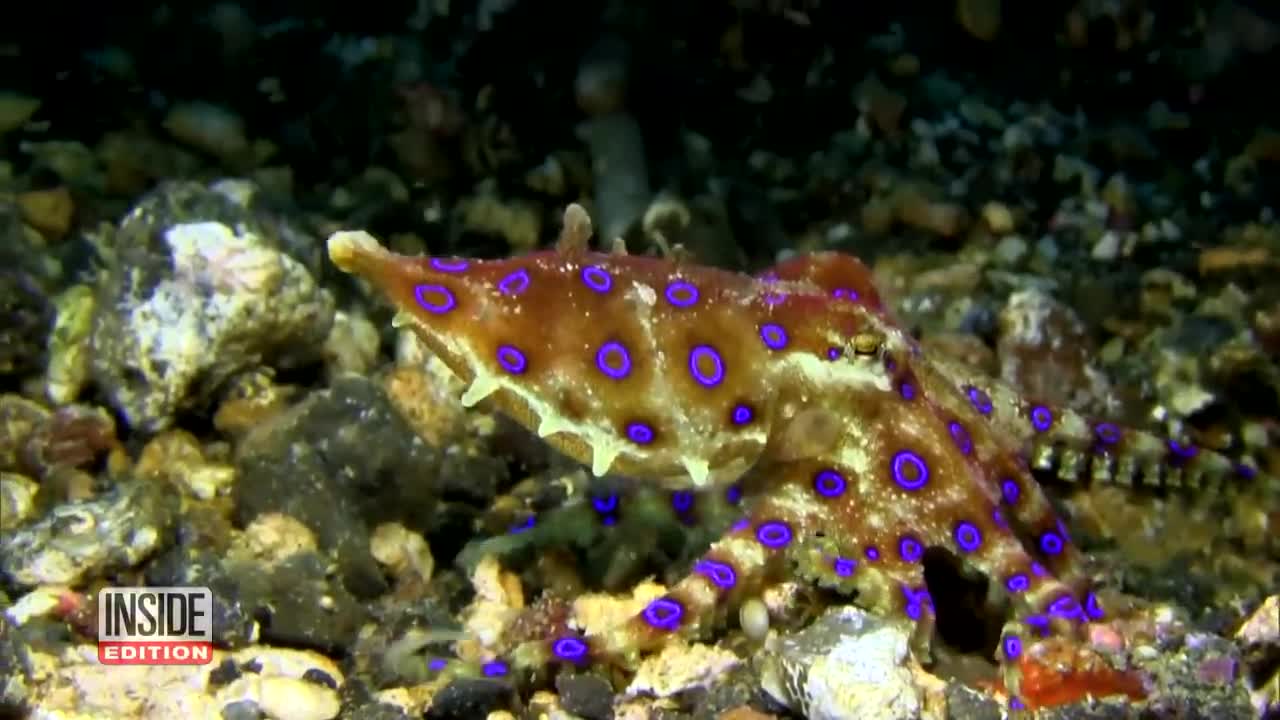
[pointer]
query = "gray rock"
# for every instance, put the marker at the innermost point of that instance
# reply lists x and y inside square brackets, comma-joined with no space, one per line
[79,541]
[15,670]
[847,664]
[196,287]
[343,461]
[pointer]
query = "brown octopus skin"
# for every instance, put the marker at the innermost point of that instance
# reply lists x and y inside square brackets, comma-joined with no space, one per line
[863,453]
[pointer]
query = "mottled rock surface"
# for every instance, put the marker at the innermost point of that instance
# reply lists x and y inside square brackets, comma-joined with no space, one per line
[197,286]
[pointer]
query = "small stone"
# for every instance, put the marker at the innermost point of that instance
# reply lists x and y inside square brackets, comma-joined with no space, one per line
[285,698]
[69,346]
[1263,626]
[1107,248]
[272,538]
[404,552]
[753,617]
[587,696]
[1011,249]
[352,345]
[848,664]
[16,110]
[679,668]
[80,541]
[49,211]
[41,602]
[210,128]
[241,710]
[17,499]
[998,217]
[469,698]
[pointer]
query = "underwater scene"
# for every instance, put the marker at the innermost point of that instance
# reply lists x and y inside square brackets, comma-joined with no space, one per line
[693,360]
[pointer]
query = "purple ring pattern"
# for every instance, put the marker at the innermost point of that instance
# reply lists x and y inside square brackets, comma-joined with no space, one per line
[569,648]
[1051,542]
[512,360]
[829,483]
[980,400]
[448,302]
[910,549]
[1107,433]
[606,504]
[1017,582]
[1012,646]
[697,356]
[514,283]
[663,613]
[916,601]
[449,265]
[640,433]
[997,517]
[596,278]
[960,436]
[898,466]
[1041,418]
[1092,607]
[682,500]
[681,294]
[1009,491]
[967,536]
[773,534]
[1067,607]
[614,350]
[722,574]
[773,335]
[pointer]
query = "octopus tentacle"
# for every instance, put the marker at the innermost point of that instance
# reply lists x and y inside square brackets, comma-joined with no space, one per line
[750,556]
[1075,448]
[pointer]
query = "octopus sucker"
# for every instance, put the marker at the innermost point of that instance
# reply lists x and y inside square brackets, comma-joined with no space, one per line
[851,451]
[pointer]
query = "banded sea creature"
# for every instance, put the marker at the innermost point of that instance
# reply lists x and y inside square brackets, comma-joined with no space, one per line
[856,453]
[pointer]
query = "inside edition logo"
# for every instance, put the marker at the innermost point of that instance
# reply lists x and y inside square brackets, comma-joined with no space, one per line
[155,626]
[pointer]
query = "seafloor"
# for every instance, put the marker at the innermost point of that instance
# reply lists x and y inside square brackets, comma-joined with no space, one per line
[1076,197]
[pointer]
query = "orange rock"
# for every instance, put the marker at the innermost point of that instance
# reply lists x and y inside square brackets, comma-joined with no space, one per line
[1058,673]
[1228,258]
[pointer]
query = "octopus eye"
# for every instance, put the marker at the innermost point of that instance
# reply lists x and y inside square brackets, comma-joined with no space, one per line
[866,344]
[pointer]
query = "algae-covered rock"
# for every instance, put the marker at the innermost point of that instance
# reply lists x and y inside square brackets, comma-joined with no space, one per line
[847,664]
[79,541]
[15,671]
[343,461]
[199,285]
[26,312]
[69,344]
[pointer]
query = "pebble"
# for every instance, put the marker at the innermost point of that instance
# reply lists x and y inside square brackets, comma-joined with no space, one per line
[1107,248]
[402,551]
[999,218]
[49,211]
[847,664]
[17,499]
[1011,249]
[285,698]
